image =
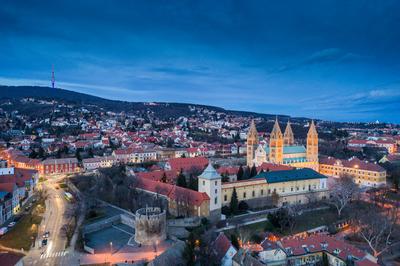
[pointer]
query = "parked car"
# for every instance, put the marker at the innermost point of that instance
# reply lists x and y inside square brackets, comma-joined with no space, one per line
[3,230]
[46,234]
[11,224]
[44,242]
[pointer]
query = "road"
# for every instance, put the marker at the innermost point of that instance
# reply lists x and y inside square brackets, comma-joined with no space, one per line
[54,253]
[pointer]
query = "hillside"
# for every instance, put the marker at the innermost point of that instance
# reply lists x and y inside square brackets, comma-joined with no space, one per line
[160,109]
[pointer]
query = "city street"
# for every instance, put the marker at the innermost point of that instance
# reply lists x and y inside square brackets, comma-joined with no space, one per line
[54,253]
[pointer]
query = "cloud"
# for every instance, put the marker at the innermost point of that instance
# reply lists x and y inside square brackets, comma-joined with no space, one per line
[179,71]
[330,55]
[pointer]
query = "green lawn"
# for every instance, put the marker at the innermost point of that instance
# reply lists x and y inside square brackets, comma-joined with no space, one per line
[310,220]
[26,228]
[304,222]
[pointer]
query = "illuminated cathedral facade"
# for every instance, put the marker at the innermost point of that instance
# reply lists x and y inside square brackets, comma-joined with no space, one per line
[282,149]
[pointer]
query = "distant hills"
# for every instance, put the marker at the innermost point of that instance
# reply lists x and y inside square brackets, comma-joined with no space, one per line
[160,109]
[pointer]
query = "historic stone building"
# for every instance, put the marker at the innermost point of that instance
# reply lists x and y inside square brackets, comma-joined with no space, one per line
[296,186]
[282,148]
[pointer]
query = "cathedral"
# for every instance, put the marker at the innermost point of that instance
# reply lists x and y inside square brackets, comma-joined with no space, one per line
[282,148]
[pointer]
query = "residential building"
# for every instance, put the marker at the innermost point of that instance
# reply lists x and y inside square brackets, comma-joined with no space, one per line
[364,173]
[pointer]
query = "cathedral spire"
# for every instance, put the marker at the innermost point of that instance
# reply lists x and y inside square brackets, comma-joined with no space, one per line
[312,130]
[276,130]
[276,144]
[252,143]
[288,136]
[312,143]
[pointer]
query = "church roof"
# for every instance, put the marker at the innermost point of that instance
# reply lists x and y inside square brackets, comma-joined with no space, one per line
[210,173]
[289,149]
[290,175]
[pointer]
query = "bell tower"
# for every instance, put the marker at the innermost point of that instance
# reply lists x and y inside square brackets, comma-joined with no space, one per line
[288,136]
[312,143]
[276,144]
[252,143]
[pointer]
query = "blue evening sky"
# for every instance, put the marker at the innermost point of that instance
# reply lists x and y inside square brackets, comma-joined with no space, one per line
[336,60]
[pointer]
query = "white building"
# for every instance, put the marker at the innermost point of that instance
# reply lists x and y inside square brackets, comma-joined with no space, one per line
[210,183]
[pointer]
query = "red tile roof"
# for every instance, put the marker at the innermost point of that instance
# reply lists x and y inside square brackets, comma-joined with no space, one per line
[187,164]
[173,192]
[8,187]
[229,170]
[220,246]
[273,167]
[19,177]
[318,243]
[157,175]
[353,163]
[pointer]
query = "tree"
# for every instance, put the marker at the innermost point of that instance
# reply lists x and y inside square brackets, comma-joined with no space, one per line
[342,192]
[234,204]
[282,219]
[193,182]
[243,206]
[189,251]
[225,178]
[275,198]
[90,153]
[253,171]
[164,178]
[376,226]
[235,241]
[325,261]
[240,173]
[41,153]
[78,155]
[181,180]
[246,173]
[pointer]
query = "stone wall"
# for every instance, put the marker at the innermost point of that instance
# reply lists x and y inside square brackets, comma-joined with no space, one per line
[150,226]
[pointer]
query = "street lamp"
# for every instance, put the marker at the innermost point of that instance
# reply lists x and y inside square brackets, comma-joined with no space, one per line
[110,248]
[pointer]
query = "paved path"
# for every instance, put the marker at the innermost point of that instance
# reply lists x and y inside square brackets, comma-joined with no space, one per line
[54,252]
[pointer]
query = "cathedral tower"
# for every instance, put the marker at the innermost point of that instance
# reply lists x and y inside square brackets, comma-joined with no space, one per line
[252,143]
[288,136]
[276,144]
[312,143]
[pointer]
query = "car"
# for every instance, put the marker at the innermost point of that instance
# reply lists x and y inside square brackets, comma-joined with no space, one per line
[3,230]
[44,242]
[46,234]
[11,224]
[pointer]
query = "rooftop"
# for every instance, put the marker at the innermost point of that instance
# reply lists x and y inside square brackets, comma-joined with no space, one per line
[290,175]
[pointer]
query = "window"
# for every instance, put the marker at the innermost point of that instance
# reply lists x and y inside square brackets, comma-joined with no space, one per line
[253,193]
[244,195]
[225,197]
[291,189]
[216,191]
[216,200]
[216,183]
[204,183]
[262,192]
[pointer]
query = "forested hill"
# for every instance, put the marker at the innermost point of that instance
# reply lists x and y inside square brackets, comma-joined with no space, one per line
[160,109]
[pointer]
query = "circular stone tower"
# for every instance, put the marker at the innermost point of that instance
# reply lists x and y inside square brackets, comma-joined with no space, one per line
[150,225]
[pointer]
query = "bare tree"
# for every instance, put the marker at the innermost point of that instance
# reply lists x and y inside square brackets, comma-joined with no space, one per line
[376,226]
[343,191]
